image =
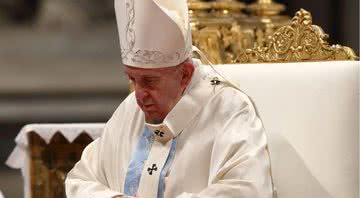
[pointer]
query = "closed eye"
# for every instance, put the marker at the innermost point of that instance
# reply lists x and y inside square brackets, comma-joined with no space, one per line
[131,79]
[151,79]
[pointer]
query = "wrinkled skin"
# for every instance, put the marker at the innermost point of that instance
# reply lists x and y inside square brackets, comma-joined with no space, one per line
[158,90]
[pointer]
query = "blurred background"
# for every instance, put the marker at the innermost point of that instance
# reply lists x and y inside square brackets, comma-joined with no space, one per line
[60,62]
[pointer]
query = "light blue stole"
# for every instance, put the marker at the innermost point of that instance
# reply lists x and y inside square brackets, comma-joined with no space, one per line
[138,160]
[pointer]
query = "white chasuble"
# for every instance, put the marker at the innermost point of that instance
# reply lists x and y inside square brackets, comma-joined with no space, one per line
[211,144]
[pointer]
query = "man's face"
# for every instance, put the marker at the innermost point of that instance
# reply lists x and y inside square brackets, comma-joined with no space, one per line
[158,90]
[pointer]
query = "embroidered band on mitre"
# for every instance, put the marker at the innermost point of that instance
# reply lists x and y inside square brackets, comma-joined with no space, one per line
[153,33]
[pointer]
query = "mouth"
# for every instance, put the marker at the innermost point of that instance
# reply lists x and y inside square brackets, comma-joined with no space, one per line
[149,107]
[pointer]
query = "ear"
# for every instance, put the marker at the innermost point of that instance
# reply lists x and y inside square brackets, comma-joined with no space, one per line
[187,70]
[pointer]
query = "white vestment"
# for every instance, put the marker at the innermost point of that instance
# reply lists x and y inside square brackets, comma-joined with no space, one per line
[221,149]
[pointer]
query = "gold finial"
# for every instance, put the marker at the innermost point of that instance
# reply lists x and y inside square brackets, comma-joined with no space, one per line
[266,8]
[198,8]
[232,6]
[228,8]
[198,5]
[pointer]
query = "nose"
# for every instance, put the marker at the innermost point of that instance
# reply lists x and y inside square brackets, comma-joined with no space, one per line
[141,93]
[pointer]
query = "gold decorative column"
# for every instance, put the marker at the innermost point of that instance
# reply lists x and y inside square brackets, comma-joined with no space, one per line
[213,27]
[264,20]
[205,38]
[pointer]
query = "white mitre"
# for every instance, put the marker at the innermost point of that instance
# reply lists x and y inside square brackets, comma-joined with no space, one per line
[153,33]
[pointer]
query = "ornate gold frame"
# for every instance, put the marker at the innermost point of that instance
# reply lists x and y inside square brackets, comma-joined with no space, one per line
[299,41]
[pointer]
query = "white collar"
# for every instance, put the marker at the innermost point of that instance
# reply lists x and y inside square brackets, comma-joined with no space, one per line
[194,98]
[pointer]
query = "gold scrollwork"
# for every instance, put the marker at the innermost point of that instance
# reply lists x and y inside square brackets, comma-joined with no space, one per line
[299,41]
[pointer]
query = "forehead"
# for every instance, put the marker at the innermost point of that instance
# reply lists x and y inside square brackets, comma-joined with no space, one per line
[135,71]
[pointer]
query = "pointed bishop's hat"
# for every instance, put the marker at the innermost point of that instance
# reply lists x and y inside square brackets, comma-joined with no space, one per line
[153,33]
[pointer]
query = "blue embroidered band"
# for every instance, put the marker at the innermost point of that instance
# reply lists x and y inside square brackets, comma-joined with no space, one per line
[138,160]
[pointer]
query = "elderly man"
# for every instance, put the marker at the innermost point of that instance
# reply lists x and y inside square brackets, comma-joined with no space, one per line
[184,132]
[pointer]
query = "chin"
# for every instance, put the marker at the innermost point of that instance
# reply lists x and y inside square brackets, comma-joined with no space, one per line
[154,118]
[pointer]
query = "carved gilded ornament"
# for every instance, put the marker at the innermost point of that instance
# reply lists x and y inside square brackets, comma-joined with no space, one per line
[50,162]
[300,41]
